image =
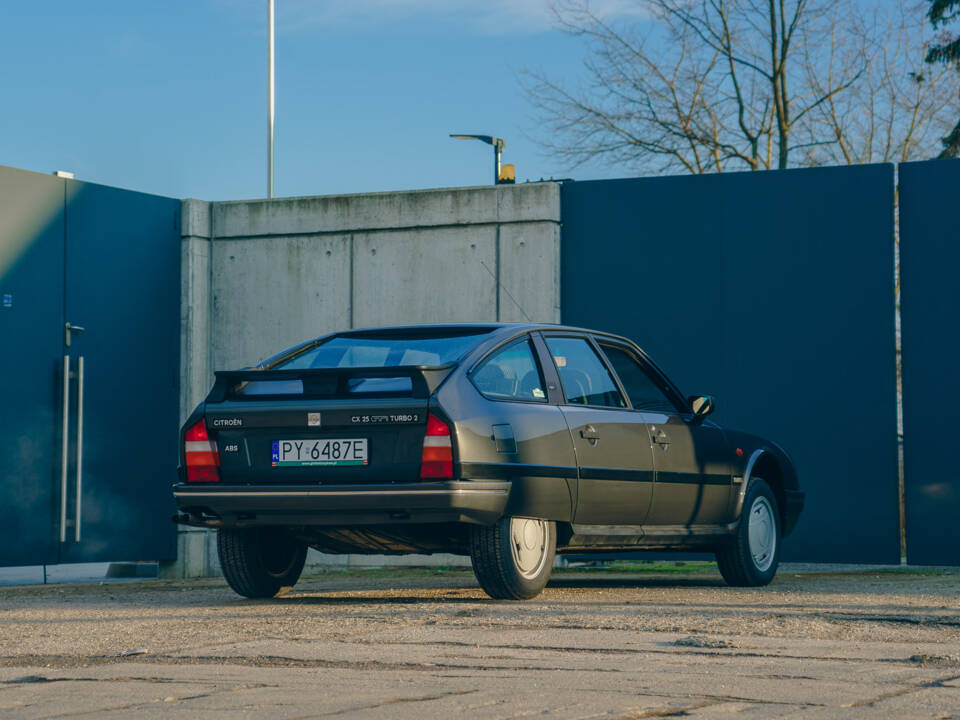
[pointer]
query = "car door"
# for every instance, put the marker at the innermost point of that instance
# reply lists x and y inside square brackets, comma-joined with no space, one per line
[693,470]
[612,443]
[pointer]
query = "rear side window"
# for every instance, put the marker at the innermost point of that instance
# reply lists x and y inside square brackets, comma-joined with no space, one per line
[510,373]
[644,393]
[383,350]
[585,378]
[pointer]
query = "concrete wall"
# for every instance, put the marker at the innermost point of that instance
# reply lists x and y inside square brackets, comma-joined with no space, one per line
[260,276]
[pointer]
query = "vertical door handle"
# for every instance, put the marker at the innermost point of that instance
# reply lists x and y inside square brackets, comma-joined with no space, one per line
[64,446]
[79,498]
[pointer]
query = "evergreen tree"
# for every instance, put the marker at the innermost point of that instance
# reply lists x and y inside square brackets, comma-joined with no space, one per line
[946,51]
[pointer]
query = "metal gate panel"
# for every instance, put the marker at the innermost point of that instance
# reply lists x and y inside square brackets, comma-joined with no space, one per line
[930,313]
[122,286]
[87,452]
[774,292]
[31,318]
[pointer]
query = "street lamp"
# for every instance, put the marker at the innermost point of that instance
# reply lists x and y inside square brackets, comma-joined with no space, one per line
[498,145]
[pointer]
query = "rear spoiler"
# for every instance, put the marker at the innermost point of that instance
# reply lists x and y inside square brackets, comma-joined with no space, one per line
[331,382]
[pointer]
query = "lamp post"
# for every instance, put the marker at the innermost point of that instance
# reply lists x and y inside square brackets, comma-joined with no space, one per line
[498,145]
[270,99]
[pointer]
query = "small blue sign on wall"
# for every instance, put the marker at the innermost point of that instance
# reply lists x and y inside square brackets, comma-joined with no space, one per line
[7,300]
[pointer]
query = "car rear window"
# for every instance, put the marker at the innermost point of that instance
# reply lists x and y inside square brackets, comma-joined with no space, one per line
[385,350]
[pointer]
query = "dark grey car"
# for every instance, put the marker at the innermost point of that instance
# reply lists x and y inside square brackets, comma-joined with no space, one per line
[506,442]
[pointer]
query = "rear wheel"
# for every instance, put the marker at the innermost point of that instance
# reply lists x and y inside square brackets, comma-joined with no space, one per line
[513,558]
[751,557]
[260,562]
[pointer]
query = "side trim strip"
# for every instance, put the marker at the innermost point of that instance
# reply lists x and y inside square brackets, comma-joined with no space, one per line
[692,479]
[602,473]
[508,470]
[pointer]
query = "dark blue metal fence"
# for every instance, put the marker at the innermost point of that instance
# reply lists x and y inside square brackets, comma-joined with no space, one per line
[774,292]
[930,312]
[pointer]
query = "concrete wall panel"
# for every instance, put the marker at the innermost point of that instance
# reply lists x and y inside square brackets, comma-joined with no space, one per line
[438,275]
[530,272]
[196,374]
[269,294]
[528,202]
[382,211]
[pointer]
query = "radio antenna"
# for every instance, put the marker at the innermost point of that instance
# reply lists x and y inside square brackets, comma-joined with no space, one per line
[509,295]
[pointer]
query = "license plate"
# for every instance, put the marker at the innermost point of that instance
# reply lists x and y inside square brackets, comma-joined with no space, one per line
[305,453]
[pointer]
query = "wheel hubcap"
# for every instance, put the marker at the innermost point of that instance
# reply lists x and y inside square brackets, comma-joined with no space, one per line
[528,544]
[762,534]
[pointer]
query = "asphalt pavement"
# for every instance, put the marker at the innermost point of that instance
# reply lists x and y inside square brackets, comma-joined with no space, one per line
[429,644]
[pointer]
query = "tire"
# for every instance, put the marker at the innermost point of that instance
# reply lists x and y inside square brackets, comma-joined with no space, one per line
[750,560]
[513,558]
[260,562]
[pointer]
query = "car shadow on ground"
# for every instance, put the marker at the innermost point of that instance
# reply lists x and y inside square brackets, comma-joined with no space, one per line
[373,599]
[638,582]
[381,593]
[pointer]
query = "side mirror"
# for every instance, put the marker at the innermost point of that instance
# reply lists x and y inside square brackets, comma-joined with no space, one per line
[702,405]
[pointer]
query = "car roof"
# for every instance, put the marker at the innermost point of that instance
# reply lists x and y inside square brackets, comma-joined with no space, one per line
[495,333]
[466,328]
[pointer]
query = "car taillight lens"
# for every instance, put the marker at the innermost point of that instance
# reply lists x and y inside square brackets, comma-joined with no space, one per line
[201,454]
[437,458]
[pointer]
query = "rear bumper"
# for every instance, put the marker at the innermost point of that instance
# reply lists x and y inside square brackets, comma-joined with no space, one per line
[474,501]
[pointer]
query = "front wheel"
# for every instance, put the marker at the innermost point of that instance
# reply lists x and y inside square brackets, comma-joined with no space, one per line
[513,558]
[751,557]
[260,562]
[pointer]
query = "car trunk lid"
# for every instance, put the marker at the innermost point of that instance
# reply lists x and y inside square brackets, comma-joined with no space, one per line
[331,425]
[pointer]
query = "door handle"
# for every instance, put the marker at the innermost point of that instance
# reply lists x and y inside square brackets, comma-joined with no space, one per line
[79,496]
[660,438]
[64,446]
[589,433]
[69,330]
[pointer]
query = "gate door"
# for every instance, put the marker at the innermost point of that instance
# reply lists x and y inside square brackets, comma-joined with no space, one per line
[89,365]
[122,287]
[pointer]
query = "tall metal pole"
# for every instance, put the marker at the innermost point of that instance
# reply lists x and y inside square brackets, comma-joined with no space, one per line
[270,99]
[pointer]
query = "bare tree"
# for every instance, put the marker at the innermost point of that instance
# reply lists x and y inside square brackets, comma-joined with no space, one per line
[899,108]
[711,85]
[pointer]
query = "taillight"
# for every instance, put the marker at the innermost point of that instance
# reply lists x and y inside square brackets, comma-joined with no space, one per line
[437,458]
[201,455]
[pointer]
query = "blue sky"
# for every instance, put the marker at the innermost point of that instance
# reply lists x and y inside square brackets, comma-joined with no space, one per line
[170,97]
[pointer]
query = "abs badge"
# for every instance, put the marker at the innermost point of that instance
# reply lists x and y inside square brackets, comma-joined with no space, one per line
[313,419]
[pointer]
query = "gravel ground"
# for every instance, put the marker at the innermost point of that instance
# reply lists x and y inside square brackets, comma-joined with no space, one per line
[422,644]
